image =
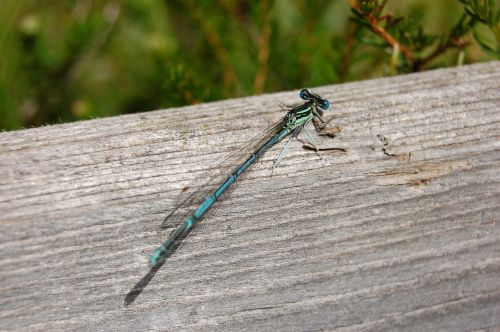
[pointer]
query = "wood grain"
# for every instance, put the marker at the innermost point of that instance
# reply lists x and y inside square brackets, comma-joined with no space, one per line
[400,233]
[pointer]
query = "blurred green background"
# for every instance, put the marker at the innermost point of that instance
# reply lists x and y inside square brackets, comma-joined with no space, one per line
[62,61]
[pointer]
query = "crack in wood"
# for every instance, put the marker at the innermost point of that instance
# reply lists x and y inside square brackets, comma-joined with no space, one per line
[417,175]
[385,150]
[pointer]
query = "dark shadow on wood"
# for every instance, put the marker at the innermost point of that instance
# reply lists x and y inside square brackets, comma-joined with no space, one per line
[142,284]
[308,146]
[139,287]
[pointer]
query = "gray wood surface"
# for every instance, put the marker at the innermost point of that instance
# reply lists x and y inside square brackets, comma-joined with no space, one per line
[401,232]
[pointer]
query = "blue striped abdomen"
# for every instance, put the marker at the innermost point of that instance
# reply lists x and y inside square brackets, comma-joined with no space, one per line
[189,222]
[210,200]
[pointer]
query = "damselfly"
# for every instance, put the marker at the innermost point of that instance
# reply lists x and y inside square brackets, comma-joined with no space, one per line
[290,126]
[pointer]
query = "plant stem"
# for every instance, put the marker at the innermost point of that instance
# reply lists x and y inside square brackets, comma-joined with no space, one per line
[263,56]
[379,30]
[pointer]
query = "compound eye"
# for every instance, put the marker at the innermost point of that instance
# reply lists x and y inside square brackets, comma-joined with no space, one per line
[324,104]
[304,94]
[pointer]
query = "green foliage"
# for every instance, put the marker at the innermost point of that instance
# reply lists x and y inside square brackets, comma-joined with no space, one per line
[411,47]
[484,12]
[79,59]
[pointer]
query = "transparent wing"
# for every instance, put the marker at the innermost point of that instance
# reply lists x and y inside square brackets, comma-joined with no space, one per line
[190,199]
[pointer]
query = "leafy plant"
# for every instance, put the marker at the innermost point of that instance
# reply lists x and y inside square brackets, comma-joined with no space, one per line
[485,13]
[69,60]
[411,48]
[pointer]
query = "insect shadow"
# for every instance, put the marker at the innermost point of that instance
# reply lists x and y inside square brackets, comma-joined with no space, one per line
[143,283]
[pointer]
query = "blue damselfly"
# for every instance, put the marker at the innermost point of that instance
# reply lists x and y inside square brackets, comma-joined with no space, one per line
[290,126]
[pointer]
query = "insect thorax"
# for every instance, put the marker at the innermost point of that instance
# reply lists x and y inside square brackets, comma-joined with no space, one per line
[299,115]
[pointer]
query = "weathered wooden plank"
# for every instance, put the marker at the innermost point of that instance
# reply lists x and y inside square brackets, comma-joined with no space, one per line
[399,234]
